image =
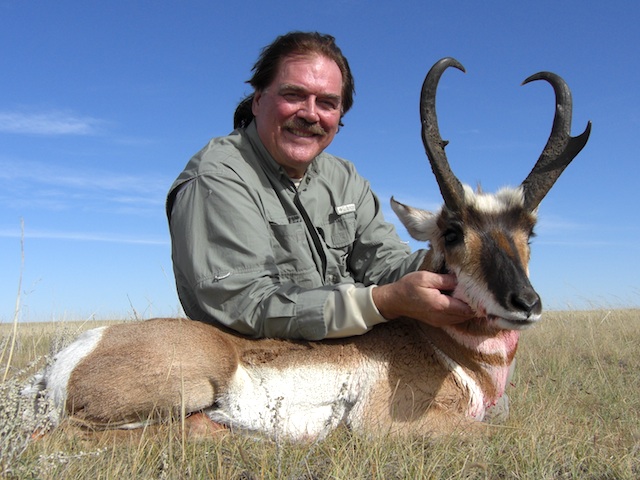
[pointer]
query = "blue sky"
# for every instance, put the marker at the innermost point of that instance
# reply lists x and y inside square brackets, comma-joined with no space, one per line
[103,103]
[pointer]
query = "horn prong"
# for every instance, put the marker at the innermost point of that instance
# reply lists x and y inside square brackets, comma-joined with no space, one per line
[561,147]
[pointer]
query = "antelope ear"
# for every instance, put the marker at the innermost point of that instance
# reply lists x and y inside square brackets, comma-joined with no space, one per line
[420,224]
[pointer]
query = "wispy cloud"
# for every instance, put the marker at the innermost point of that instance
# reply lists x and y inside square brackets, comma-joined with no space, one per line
[29,185]
[550,224]
[48,123]
[586,243]
[84,237]
[90,179]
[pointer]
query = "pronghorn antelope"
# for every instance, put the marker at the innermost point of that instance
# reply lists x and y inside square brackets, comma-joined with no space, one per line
[403,377]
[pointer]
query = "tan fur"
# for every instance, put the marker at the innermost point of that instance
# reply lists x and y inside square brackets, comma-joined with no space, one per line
[150,368]
[524,251]
[419,395]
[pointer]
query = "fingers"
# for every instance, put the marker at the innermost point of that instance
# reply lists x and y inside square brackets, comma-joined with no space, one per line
[458,308]
[455,312]
[419,295]
[440,281]
[446,310]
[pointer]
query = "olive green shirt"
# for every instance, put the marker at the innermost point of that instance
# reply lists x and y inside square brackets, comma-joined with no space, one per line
[268,259]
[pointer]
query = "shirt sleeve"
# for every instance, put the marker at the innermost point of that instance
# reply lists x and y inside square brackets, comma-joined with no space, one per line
[224,263]
[350,311]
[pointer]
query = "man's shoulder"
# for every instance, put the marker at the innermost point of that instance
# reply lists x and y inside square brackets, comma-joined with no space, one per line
[333,167]
[218,150]
[328,162]
[220,157]
[229,153]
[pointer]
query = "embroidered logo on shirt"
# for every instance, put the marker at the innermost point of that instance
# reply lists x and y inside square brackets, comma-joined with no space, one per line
[342,209]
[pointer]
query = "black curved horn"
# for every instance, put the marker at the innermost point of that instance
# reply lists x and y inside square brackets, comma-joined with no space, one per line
[561,147]
[450,186]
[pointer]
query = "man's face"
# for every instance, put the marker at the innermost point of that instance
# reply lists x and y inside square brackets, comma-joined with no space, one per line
[298,115]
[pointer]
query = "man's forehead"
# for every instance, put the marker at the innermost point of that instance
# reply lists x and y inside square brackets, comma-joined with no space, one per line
[307,70]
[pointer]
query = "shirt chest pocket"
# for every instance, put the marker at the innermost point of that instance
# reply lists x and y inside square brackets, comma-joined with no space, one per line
[340,233]
[291,249]
[339,236]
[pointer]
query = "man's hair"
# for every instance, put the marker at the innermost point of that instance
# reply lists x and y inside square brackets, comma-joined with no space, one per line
[293,43]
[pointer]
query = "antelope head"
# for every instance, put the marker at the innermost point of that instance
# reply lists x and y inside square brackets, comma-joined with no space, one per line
[484,238]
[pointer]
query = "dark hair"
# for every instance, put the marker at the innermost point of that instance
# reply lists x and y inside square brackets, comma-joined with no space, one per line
[293,43]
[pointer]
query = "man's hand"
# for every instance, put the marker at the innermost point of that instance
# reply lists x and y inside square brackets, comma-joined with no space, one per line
[418,295]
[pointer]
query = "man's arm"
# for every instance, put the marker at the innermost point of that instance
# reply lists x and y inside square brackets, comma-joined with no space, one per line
[225,270]
[225,264]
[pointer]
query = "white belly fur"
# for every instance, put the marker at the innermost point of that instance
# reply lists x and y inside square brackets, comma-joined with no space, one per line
[299,403]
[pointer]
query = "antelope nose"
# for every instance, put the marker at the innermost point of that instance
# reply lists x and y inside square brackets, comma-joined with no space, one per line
[526,301]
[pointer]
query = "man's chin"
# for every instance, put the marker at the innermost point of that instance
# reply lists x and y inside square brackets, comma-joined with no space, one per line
[299,156]
[296,167]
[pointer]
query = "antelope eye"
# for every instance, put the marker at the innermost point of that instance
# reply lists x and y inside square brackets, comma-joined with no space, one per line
[452,236]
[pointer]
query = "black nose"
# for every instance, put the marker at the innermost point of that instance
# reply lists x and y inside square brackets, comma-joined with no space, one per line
[527,301]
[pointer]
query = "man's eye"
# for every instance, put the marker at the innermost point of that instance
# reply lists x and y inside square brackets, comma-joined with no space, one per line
[292,97]
[328,104]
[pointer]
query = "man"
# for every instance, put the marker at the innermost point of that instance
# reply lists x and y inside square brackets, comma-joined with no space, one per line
[272,237]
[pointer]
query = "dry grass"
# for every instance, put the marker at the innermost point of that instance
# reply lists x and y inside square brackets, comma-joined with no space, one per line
[575,408]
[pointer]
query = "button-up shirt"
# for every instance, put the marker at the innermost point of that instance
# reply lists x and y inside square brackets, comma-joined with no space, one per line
[267,258]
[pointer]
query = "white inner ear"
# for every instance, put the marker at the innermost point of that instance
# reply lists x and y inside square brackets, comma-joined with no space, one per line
[421,224]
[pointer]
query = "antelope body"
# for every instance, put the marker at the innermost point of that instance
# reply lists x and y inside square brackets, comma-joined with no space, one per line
[403,377]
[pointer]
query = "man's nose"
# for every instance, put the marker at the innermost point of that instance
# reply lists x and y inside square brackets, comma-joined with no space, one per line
[309,110]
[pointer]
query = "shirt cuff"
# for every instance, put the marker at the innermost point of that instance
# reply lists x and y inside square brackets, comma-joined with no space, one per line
[350,311]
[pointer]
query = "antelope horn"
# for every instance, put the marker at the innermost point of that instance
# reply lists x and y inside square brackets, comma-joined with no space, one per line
[561,147]
[450,186]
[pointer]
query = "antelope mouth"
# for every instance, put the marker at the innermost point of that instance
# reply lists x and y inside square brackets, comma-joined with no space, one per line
[490,312]
[517,323]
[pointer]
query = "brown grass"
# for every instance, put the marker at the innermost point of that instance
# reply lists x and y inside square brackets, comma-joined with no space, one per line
[575,408]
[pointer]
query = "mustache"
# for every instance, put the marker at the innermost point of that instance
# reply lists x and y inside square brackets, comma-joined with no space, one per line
[301,124]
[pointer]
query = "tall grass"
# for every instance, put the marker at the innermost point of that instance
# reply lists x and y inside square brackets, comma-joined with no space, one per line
[575,408]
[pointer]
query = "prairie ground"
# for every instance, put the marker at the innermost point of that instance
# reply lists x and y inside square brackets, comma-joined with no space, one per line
[575,413]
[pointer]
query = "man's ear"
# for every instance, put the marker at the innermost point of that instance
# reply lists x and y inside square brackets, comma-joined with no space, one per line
[255,104]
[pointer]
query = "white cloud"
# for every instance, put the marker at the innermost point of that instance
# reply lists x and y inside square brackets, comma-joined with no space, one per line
[37,185]
[84,236]
[48,123]
[79,178]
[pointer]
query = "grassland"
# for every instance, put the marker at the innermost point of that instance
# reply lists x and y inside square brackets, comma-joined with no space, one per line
[575,413]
